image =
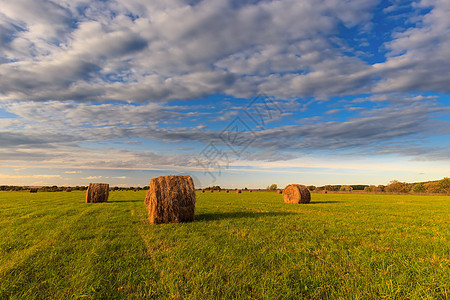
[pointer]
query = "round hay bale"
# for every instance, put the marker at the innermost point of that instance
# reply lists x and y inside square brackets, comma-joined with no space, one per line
[228,191]
[212,191]
[97,192]
[251,191]
[68,190]
[279,192]
[203,191]
[296,193]
[324,192]
[238,191]
[171,199]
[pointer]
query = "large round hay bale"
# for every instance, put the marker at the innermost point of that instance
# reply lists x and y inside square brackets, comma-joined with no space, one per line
[97,192]
[296,193]
[238,191]
[171,199]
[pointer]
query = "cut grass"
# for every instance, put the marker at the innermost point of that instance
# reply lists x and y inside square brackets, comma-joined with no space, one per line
[249,245]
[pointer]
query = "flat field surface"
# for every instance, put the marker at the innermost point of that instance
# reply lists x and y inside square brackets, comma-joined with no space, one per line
[241,246]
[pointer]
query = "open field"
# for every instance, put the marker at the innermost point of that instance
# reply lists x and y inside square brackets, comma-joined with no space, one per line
[246,246]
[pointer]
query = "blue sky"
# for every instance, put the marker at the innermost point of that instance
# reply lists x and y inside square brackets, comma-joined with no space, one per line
[234,93]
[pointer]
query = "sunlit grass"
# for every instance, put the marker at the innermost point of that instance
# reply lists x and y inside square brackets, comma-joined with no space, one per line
[249,245]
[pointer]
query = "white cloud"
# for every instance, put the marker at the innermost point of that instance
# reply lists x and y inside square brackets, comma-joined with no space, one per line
[174,50]
[93,177]
[419,56]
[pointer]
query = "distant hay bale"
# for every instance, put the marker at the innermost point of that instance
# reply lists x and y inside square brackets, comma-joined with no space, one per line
[171,199]
[238,191]
[211,191]
[296,193]
[324,191]
[279,192]
[33,190]
[68,190]
[97,192]
[203,191]
[227,191]
[250,191]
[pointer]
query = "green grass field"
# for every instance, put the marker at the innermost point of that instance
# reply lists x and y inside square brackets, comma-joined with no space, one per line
[244,246]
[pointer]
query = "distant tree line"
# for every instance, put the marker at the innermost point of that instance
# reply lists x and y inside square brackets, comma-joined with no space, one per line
[431,187]
[214,188]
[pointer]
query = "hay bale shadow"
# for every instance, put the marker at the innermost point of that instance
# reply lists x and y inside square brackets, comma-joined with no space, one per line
[238,215]
[125,201]
[323,202]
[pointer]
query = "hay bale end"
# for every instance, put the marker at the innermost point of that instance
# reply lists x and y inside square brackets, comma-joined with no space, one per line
[296,193]
[171,199]
[97,192]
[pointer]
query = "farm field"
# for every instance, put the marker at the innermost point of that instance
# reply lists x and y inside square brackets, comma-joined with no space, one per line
[241,246]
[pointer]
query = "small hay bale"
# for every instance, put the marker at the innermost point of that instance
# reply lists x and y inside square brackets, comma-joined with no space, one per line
[33,190]
[203,191]
[212,191]
[324,192]
[238,191]
[97,192]
[171,199]
[296,193]
[279,192]
[68,190]
[228,191]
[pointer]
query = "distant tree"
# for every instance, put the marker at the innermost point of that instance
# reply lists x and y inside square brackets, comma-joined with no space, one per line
[369,188]
[381,188]
[272,187]
[332,187]
[444,184]
[373,189]
[359,187]
[346,188]
[214,187]
[419,188]
[433,187]
[396,186]
[311,187]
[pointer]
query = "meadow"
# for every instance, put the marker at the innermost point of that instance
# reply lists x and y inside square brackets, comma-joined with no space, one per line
[241,246]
